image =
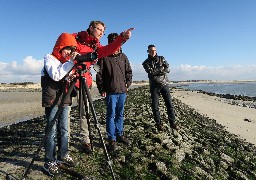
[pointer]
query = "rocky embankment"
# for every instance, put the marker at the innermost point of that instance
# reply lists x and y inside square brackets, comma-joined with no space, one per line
[202,149]
[239,100]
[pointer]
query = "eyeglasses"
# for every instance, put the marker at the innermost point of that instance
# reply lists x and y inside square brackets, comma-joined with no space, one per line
[101,30]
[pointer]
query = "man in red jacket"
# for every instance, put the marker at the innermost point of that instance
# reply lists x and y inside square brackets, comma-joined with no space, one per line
[89,41]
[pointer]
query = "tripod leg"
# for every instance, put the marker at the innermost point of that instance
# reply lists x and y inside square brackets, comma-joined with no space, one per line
[86,109]
[85,131]
[97,125]
[59,111]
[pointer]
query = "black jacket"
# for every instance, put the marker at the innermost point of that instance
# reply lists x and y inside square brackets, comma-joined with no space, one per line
[115,74]
[53,91]
[157,68]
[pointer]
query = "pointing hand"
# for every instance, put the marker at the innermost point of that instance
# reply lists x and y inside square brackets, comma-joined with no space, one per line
[127,33]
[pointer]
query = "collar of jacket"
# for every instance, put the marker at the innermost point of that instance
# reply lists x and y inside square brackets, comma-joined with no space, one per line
[85,38]
[153,58]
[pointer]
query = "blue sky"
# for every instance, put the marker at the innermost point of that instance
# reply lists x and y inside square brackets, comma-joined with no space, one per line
[201,39]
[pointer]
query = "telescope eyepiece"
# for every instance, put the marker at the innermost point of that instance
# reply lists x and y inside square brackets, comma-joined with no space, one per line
[92,56]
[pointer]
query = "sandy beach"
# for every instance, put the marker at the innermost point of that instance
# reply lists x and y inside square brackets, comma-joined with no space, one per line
[231,116]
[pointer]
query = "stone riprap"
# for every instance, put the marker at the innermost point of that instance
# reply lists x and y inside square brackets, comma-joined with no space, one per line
[202,149]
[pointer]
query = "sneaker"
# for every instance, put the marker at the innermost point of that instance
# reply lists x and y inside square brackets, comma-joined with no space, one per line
[159,127]
[123,140]
[175,127]
[87,147]
[68,160]
[111,146]
[51,168]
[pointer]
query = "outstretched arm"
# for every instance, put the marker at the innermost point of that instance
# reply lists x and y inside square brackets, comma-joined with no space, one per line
[104,51]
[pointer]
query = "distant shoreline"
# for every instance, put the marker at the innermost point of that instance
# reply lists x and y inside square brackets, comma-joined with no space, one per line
[37,86]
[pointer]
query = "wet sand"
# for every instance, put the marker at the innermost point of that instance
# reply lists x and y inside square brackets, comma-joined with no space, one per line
[21,106]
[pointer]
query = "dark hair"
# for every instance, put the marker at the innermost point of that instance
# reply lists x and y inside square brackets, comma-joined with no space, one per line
[112,37]
[72,48]
[150,46]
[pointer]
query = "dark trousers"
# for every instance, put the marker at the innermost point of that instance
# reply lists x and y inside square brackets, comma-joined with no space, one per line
[156,91]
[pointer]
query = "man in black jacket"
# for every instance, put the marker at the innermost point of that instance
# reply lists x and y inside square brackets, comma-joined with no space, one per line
[157,68]
[113,81]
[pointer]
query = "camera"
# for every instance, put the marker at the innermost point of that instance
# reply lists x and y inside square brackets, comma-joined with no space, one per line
[86,57]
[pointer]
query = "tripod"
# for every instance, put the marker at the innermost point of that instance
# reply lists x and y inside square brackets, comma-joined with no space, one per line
[84,93]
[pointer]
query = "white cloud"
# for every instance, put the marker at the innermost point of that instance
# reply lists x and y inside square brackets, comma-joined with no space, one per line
[29,71]
[187,72]
[231,72]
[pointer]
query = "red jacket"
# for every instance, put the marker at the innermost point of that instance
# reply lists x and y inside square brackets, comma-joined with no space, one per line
[87,43]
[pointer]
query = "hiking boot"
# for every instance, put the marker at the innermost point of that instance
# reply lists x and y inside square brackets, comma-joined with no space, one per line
[159,127]
[67,160]
[175,127]
[111,145]
[51,168]
[124,140]
[87,147]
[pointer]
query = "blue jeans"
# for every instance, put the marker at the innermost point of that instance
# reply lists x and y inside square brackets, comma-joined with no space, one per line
[115,115]
[156,91]
[59,132]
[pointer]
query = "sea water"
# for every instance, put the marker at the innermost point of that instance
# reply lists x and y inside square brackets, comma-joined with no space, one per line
[244,89]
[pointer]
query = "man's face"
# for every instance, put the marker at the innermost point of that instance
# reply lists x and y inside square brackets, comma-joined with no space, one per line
[97,31]
[152,51]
